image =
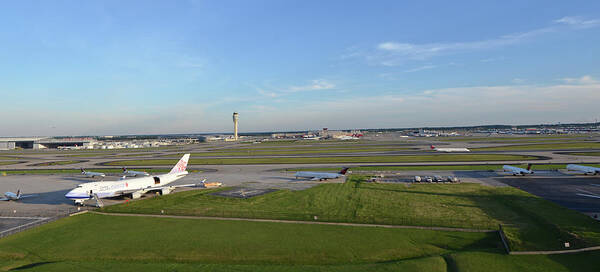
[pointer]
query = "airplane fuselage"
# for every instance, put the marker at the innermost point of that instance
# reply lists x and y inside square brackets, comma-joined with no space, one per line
[317,175]
[583,169]
[516,170]
[134,186]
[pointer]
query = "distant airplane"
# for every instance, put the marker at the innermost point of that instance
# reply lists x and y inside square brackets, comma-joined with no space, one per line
[131,173]
[583,169]
[346,137]
[517,170]
[135,187]
[12,196]
[321,175]
[92,174]
[449,149]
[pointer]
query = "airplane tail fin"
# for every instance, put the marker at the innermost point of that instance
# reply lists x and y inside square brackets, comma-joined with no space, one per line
[181,165]
[124,169]
[344,170]
[82,171]
[432,147]
[529,166]
[19,193]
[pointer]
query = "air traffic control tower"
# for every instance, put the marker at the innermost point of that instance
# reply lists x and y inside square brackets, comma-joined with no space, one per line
[236,118]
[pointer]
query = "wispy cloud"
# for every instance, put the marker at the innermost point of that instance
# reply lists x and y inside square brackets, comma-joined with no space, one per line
[393,53]
[420,68]
[509,104]
[314,85]
[584,80]
[578,22]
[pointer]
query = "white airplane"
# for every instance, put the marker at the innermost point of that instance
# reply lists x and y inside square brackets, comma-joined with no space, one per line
[12,196]
[131,173]
[92,174]
[584,169]
[449,149]
[321,175]
[517,170]
[135,187]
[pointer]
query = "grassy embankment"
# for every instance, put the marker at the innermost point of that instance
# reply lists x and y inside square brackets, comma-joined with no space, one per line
[340,159]
[532,223]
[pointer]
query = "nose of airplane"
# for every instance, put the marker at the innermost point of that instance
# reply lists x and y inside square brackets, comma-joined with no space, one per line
[76,193]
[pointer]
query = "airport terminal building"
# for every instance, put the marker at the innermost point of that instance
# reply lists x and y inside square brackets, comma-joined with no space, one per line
[44,142]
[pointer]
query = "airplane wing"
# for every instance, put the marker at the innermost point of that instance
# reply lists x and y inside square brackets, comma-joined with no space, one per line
[25,196]
[4,199]
[316,179]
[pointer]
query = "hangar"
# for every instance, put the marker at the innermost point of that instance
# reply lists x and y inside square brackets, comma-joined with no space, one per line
[44,142]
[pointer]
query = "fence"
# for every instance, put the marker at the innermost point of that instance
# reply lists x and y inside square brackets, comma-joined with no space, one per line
[35,218]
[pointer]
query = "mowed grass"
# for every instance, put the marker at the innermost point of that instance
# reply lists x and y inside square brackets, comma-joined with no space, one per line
[289,152]
[52,163]
[77,171]
[583,153]
[148,239]
[339,159]
[517,138]
[462,167]
[10,162]
[431,264]
[489,261]
[531,223]
[556,146]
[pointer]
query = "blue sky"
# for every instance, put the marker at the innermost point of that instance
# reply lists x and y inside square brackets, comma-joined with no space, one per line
[132,67]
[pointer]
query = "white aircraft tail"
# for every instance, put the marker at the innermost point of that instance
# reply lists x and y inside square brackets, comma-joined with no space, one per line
[18,194]
[181,165]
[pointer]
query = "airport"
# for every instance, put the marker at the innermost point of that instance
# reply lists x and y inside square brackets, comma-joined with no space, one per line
[465,174]
[320,136]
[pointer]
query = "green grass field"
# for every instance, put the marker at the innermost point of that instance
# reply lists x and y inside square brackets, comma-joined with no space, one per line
[10,162]
[77,171]
[289,152]
[531,223]
[584,153]
[463,167]
[52,163]
[340,159]
[517,138]
[556,146]
[146,239]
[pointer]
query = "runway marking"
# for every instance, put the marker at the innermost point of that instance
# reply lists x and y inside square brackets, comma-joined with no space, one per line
[586,195]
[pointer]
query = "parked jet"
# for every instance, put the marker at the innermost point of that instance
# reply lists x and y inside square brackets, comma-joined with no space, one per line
[92,174]
[135,187]
[12,196]
[517,170]
[584,169]
[449,149]
[131,173]
[321,175]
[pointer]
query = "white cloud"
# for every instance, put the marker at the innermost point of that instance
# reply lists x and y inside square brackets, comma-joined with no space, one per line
[587,79]
[421,68]
[393,53]
[317,84]
[578,22]
[314,85]
[510,104]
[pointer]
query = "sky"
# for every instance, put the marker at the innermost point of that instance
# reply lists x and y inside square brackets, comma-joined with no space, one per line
[162,67]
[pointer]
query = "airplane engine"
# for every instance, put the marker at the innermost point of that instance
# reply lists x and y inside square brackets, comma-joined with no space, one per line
[166,191]
[136,195]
